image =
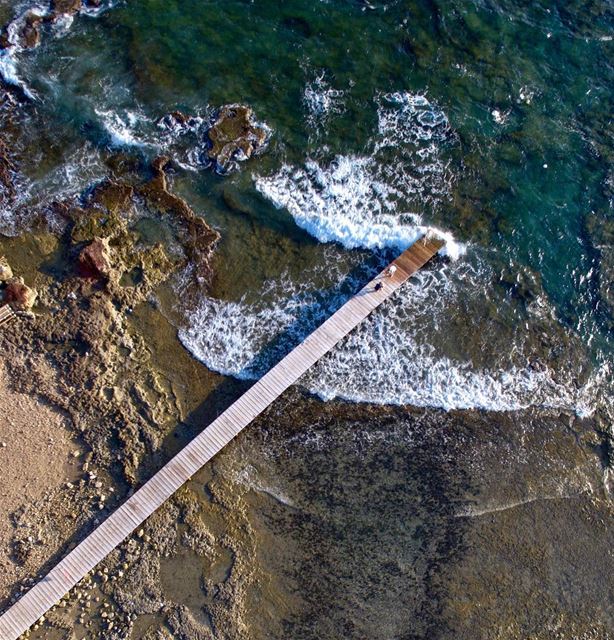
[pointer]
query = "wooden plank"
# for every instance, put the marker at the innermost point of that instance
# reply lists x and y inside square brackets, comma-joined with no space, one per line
[6,314]
[137,508]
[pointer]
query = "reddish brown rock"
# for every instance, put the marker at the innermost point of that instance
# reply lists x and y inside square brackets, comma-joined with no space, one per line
[19,295]
[94,261]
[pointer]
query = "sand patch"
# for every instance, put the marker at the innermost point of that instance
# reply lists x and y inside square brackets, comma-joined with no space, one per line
[36,456]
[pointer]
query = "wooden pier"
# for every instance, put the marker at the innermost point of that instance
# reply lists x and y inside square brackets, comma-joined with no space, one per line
[6,315]
[122,522]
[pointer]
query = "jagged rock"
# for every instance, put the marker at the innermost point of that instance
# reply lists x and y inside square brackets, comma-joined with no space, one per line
[176,120]
[6,273]
[199,239]
[113,196]
[235,135]
[185,627]
[94,260]
[67,7]
[30,34]
[7,169]
[19,295]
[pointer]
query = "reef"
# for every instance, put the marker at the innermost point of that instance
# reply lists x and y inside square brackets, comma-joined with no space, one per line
[198,238]
[234,136]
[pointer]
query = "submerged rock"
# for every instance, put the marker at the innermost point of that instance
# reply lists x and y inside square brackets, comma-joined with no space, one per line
[94,260]
[234,136]
[19,295]
[6,273]
[198,238]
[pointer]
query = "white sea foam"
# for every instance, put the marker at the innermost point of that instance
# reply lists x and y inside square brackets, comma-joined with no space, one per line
[80,168]
[9,57]
[322,101]
[370,200]
[128,129]
[9,73]
[386,360]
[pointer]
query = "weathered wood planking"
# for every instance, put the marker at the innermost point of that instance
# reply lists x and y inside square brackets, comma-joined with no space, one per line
[6,314]
[46,593]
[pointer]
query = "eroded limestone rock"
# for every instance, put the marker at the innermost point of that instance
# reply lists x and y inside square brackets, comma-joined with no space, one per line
[19,295]
[6,273]
[198,238]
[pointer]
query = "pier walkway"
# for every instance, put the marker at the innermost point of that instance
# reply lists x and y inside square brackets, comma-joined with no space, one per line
[122,522]
[6,315]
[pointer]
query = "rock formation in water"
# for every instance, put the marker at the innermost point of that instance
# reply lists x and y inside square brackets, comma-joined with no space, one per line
[64,7]
[235,136]
[198,238]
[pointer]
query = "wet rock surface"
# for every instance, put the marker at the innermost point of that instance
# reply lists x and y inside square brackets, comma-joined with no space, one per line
[234,136]
[65,7]
[30,34]
[199,239]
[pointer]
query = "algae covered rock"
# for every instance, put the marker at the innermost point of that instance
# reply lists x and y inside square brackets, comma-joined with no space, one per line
[196,236]
[30,33]
[66,7]
[235,136]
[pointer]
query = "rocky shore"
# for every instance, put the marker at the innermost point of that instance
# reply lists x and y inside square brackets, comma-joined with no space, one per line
[322,520]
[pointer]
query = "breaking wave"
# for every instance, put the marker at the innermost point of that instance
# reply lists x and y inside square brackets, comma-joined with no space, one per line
[126,130]
[321,101]
[372,200]
[388,359]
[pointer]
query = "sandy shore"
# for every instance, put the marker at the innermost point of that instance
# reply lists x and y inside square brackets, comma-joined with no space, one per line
[36,457]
